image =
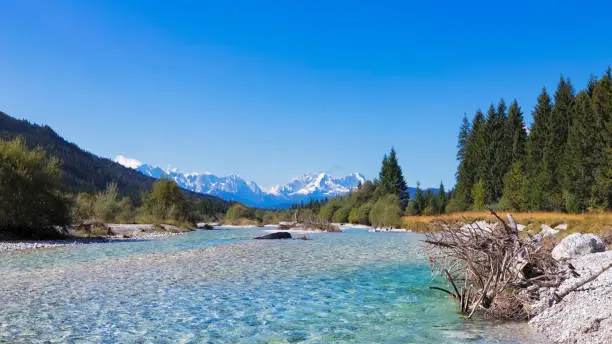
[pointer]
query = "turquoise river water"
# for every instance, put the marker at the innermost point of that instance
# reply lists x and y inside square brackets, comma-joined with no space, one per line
[223,287]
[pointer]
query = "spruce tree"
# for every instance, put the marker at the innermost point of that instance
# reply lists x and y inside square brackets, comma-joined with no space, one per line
[418,199]
[497,152]
[441,199]
[584,151]
[602,108]
[516,132]
[462,198]
[472,168]
[559,123]
[538,180]
[464,133]
[392,178]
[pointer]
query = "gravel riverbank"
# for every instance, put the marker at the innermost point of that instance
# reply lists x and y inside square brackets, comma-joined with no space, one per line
[38,244]
[585,315]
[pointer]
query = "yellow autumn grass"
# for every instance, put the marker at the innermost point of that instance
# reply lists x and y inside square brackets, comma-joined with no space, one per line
[592,222]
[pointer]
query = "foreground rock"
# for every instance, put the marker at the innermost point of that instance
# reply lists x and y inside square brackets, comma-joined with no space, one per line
[276,235]
[576,245]
[584,315]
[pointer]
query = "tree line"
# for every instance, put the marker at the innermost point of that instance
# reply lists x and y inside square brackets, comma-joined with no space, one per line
[562,163]
[381,202]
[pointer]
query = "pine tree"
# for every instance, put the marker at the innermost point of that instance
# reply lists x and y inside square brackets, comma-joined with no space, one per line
[418,199]
[471,168]
[538,180]
[602,108]
[497,152]
[441,199]
[559,123]
[462,197]
[516,132]
[392,178]
[464,133]
[584,151]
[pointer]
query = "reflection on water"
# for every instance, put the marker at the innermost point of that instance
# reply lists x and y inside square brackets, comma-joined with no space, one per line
[222,287]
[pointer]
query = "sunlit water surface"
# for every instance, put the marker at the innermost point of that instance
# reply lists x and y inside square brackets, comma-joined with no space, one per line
[223,287]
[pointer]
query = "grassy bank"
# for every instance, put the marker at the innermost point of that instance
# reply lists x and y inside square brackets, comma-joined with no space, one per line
[598,222]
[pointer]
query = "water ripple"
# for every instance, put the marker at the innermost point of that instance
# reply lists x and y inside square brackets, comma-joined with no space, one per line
[221,287]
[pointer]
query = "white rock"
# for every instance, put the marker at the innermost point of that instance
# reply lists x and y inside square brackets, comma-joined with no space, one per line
[520,227]
[576,245]
[561,227]
[547,231]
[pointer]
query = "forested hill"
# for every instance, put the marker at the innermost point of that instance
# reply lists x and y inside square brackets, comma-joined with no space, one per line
[83,171]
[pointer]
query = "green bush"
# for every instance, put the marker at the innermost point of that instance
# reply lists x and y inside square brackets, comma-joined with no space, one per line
[386,212]
[105,206]
[361,215]
[342,214]
[236,213]
[166,203]
[31,199]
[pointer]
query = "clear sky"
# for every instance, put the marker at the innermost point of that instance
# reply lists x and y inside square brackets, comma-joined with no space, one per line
[273,89]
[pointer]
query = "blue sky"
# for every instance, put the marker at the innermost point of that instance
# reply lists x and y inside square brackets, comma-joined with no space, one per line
[273,89]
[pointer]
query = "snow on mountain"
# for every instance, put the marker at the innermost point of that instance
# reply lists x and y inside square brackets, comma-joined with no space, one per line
[127,162]
[234,188]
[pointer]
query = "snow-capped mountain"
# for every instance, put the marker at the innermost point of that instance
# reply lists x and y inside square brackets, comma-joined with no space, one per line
[234,188]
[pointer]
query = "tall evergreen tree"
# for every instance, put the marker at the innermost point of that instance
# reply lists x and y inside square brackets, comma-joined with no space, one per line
[559,123]
[462,195]
[538,179]
[497,152]
[392,178]
[602,108]
[516,132]
[441,199]
[583,152]
[464,133]
[418,198]
[472,168]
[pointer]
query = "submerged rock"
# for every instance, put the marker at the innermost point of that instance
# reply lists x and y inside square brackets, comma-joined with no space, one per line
[576,245]
[276,235]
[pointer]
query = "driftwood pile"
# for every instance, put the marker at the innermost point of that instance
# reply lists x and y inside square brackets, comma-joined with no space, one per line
[493,270]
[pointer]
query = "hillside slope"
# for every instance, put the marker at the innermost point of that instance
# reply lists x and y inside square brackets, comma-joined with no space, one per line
[84,171]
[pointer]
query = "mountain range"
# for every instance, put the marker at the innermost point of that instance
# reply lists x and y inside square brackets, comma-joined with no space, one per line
[234,188]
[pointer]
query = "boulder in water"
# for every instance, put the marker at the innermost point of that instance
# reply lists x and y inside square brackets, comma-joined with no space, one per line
[276,235]
[578,244]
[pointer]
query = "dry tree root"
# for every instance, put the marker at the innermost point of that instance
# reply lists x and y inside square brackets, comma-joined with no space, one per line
[499,273]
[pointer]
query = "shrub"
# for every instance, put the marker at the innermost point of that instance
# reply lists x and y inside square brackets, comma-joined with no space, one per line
[386,212]
[31,199]
[166,202]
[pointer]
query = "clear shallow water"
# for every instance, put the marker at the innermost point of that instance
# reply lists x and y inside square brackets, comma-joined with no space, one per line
[223,287]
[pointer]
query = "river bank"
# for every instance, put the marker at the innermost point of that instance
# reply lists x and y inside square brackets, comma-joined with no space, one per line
[585,315]
[18,245]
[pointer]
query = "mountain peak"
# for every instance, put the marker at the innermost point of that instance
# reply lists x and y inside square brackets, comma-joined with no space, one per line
[233,187]
[127,162]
